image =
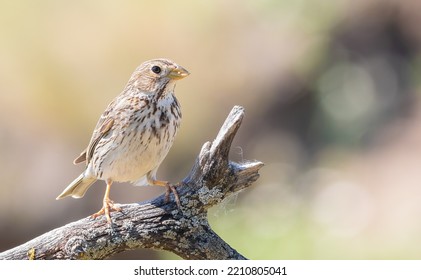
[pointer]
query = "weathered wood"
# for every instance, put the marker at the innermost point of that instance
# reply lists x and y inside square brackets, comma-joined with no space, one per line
[156,224]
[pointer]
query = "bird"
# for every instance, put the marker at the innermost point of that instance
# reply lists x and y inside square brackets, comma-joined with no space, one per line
[133,135]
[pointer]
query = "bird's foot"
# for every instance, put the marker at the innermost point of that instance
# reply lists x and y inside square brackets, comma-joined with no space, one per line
[171,188]
[107,207]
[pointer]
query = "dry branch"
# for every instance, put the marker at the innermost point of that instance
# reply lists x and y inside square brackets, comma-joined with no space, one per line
[156,224]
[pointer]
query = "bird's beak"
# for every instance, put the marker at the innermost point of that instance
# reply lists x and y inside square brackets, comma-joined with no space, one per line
[178,73]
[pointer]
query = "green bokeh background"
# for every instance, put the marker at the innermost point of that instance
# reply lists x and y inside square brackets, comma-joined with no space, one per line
[330,88]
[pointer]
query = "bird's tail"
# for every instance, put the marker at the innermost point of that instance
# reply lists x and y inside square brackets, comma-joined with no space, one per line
[78,187]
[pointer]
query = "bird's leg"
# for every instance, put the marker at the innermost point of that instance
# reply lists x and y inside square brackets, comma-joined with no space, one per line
[107,205]
[170,188]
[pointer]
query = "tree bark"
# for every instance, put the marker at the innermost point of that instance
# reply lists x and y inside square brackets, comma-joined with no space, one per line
[156,224]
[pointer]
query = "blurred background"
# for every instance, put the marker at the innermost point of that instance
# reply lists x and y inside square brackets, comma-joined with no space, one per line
[333,108]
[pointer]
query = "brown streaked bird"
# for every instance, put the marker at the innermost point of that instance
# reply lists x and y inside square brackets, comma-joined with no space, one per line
[134,134]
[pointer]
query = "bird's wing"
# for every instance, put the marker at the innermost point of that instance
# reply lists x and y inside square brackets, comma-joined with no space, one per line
[106,122]
[104,128]
[104,125]
[81,158]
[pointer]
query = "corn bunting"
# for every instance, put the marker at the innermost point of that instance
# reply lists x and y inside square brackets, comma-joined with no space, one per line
[134,134]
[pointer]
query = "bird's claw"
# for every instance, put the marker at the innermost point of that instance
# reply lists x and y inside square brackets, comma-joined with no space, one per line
[171,188]
[107,207]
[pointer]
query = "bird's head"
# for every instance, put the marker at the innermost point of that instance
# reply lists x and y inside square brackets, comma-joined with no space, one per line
[156,75]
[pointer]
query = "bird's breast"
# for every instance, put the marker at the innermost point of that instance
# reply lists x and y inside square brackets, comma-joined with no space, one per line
[139,145]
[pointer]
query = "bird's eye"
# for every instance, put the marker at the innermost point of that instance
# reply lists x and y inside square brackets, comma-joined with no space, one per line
[156,69]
